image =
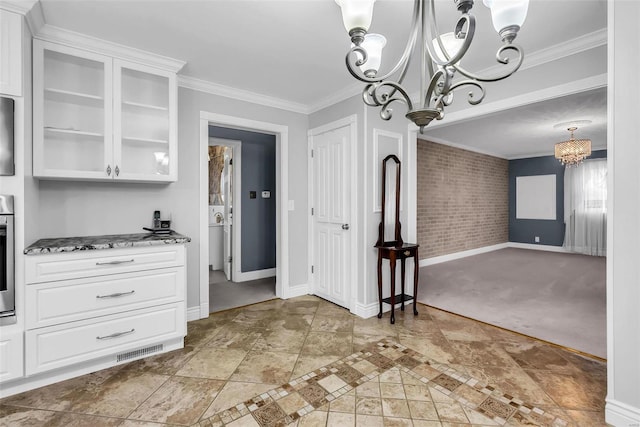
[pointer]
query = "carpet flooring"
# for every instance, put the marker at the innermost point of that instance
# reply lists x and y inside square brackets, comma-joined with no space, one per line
[224,294]
[556,297]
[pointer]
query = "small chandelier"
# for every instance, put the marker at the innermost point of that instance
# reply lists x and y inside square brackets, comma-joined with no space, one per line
[444,51]
[573,151]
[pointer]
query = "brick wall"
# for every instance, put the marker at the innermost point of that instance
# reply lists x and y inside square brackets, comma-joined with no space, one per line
[462,199]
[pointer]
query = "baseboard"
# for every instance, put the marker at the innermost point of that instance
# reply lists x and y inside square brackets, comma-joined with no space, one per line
[537,247]
[484,249]
[295,291]
[620,414]
[365,310]
[462,254]
[245,276]
[370,310]
[193,313]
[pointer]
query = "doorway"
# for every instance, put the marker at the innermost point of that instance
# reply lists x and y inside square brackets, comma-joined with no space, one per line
[225,166]
[281,268]
[242,226]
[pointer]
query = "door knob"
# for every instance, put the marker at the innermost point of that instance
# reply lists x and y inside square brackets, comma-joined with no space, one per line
[345,226]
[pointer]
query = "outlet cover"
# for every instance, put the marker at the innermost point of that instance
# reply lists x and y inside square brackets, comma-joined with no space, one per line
[537,239]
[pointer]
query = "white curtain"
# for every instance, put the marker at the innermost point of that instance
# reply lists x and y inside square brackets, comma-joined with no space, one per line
[585,207]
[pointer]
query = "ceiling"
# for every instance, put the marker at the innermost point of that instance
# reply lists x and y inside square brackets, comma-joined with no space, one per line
[530,130]
[293,50]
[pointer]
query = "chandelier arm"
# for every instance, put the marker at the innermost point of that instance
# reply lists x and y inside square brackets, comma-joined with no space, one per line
[354,62]
[375,96]
[386,113]
[432,91]
[470,96]
[360,57]
[432,29]
[502,60]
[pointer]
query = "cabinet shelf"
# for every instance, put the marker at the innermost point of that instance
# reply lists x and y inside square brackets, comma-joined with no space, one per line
[73,132]
[142,106]
[68,96]
[91,109]
[135,139]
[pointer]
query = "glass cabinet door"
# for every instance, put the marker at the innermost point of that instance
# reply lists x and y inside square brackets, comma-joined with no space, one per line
[72,113]
[144,131]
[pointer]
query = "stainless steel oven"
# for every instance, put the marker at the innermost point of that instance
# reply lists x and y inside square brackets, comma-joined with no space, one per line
[7,265]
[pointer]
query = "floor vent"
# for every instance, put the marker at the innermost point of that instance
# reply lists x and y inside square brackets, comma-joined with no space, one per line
[138,353]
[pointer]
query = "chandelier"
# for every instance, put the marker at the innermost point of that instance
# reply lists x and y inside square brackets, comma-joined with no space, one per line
[573,151]
[440,56]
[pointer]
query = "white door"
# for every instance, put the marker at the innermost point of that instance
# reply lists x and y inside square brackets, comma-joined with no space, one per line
[331,213]
[227,174]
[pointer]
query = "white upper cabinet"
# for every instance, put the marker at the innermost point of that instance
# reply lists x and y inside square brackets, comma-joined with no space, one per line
[145,117]
[98,117]
[72,113]
[11,53]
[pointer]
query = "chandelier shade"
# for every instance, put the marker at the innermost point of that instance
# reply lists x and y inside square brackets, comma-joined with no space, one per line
[451,44]
[574,151]
[356,15]
[373,44]
[440,56]
[507,13]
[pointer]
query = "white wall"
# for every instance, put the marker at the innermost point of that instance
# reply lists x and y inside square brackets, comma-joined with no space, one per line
[623,269]
[89,208]
[372,130]
[381,138]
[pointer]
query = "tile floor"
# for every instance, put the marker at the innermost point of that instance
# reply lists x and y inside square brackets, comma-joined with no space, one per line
[307,362]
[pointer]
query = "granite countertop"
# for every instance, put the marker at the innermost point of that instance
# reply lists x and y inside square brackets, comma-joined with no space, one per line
[86,243]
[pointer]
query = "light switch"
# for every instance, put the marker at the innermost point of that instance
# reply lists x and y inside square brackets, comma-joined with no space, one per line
[266,194]
[252,194]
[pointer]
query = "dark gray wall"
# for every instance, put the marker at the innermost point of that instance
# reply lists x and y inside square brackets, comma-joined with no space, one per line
[525,230]
[258,245]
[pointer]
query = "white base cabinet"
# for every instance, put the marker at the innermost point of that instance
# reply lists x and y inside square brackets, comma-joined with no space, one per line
[118,304]
[11,355]
[117,335]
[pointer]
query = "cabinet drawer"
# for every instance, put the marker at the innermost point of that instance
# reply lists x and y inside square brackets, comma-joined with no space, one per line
[62,345]
[70,300]
[74,265]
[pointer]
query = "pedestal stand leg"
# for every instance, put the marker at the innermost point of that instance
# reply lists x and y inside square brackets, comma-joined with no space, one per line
[392,262]
[380,283]
[402,271]
[416,268]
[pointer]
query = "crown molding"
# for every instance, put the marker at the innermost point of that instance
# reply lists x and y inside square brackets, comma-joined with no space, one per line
[460,146]
[546,154]
[240,94]
[30,9]
[35,18]
[77,40]
[553,53]
[18,6]
[336,97]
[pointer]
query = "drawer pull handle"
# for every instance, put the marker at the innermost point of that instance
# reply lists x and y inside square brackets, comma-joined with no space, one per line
[116,335]
[118,294]
[124,261]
